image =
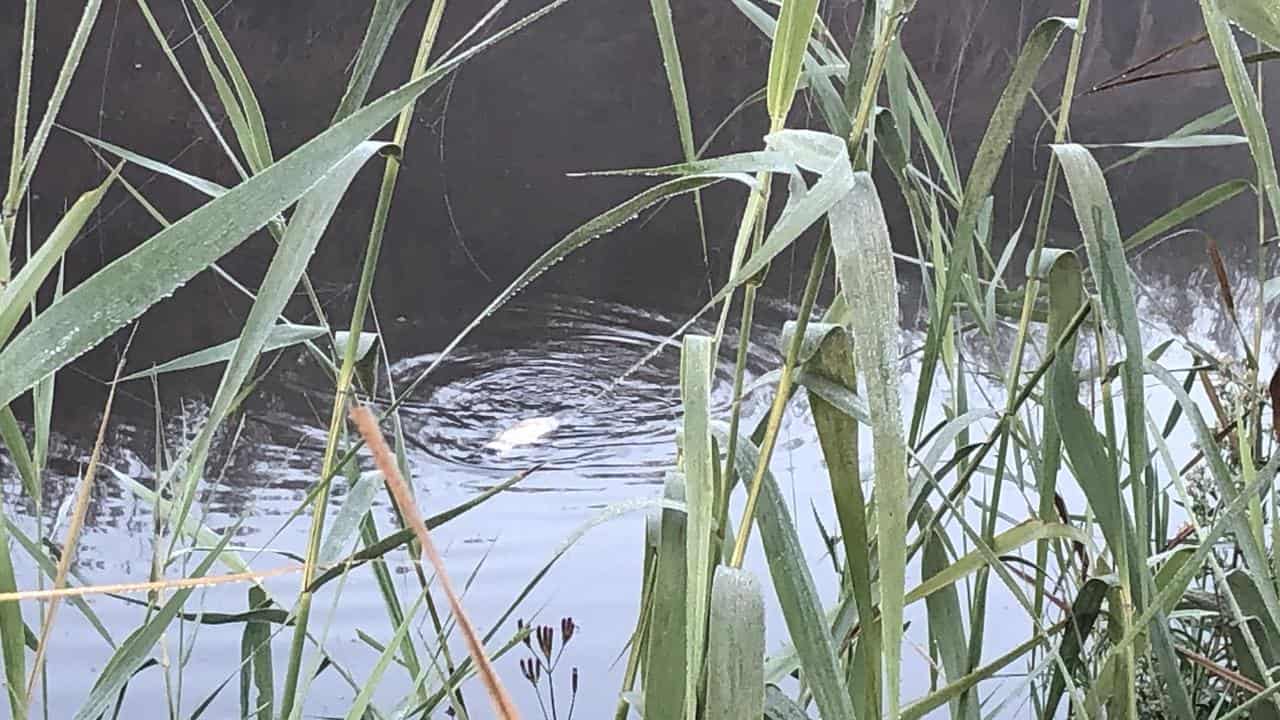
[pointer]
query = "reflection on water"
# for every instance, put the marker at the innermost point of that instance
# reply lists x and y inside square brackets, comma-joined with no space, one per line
[551,358]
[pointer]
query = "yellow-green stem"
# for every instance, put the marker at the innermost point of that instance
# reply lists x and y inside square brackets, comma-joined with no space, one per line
[812,284]
[347,370]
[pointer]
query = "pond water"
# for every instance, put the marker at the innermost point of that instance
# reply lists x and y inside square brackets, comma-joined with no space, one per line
[543,357]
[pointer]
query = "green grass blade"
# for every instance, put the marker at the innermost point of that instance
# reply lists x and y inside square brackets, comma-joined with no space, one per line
[797,595]
[1084,613]
[1259,18]
[280,336]
[831,362]
[1254,554]
[982,175]
[922,707]
[661,10]
[258,144]
[376,550]
[192,527]
[735,647]
[283,274]
[256,645]
[21,112]
[20,453]
[864,264]
[1060,271]
[365,696]
[1024,533]
[1187,211]
[777,706]
[60,87]
[223,88]
[860,57]
[665,681]
[42,558]
[355,506]
[786,58]
[1210,121]
[12,630]
[582,236]
[208,187]
[133,652]
[377,36]
[1248,106]
[16,296]
[1181,142]
[819,68]
[1097,220]
[946,623]
[728,166]
[696,366]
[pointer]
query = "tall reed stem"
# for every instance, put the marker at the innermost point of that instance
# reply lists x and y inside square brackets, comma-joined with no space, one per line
[1031,292]
[347,370]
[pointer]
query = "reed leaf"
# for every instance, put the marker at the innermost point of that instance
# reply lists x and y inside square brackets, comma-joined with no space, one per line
[946,623]
[18,295]
[696,366]
[360,705]
[798,597]
[864,263]
[982,175]
[665,665]
[13,439]
[827,355]
[922,707]
[786,58]
[661,10]
[1187,211]
[735,647]
[383,20]
[257,144]
[1020,535]
[13,631]
[125,288]
[280,336]
[70,63]
[256,672]
[1260,17]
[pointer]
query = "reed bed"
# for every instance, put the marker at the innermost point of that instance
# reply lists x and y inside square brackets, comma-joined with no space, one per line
[1158,597]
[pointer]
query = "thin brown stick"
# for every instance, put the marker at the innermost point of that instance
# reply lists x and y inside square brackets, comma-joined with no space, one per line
[365,422]
[1214,668]
[148,586]
[76,525]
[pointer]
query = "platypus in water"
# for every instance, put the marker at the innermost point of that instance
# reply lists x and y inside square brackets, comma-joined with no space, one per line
[525,432]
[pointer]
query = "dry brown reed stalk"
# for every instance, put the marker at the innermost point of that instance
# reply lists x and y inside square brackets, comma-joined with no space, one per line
[150,585]
[365,422]
[77,523]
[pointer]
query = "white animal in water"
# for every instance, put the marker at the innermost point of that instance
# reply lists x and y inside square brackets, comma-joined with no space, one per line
[526,432]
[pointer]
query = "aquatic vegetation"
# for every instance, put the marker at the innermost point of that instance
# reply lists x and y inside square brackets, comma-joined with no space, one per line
[1153,592]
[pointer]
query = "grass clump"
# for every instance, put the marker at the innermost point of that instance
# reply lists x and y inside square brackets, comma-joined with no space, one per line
[1128,615]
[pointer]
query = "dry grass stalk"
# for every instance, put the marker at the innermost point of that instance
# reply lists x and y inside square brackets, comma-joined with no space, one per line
[77,524]
[365,422]
[149,586]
